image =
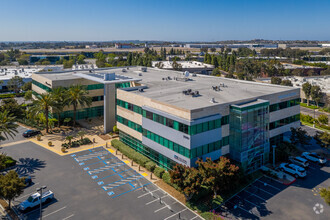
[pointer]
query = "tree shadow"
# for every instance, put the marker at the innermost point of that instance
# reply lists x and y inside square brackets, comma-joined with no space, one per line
[27,166]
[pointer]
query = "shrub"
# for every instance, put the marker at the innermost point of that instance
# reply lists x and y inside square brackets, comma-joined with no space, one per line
[150,166]
[85,141]
[167,178]
[4,96]
[65,145]
[159,172]
[130,153]
[75,144]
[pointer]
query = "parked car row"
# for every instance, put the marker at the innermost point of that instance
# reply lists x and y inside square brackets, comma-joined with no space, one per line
[299,164]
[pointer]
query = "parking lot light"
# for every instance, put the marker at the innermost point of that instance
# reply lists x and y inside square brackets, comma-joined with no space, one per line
[40,191]
[274,146]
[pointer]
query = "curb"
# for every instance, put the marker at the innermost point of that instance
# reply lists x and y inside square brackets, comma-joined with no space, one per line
[287,184]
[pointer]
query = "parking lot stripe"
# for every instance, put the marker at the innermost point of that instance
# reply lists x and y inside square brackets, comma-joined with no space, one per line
[101,169]
[175,214]
[155,200]
[45,216]
[131,190]
[194,217]
[238,206]
[147,193]
[68,217]
[264,191]
[270,185]
[166,206]
[120,183]
[256,195]
[114,174]
[244,199]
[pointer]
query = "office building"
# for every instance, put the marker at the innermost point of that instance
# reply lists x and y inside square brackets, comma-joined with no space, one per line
[176,117]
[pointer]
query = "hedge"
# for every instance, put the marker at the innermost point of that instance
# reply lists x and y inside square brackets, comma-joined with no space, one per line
[5,96]
[151,166]
[130,153]
[159,172]
[167,178]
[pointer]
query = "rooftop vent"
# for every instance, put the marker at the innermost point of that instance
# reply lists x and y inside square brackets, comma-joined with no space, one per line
[212,100]
[123,70]
[144,69]
[216,88]
[139,74]
[140,89]
[190,92]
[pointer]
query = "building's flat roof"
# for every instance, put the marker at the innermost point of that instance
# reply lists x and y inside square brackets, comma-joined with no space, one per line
[184,64]
[7,73]
[162,86]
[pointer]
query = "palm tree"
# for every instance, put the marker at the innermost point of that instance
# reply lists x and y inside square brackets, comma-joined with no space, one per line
[60,100]
[42,105]
[77,96]
[8,128]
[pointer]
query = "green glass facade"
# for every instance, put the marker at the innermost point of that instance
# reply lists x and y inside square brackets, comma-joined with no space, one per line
[249,140]
[129,124]
[284,121]
[42,86]
[84,113]
[283,105]
[137,145]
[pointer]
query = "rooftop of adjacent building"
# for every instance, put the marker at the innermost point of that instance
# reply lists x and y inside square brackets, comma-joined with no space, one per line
[178,88]
[184,64]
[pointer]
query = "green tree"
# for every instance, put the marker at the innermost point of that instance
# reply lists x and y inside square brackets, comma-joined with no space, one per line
[323,138]
[176,66]
[69,139]
[187,179]
[81,134]
[115,129]
[11,186]
[276,80]
[28,95]
[316,94]
[213,49]
[214,61]
[60,100]
[299,136]
[12,106]
[323,119]
[15,83]
[42,105]
[27,86]
[325,194]
[216,72]
[286,83]
[307,87]
[8,127]
[219,176]
[77,97]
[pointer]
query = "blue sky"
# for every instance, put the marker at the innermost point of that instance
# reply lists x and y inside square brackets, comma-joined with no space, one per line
[173,20]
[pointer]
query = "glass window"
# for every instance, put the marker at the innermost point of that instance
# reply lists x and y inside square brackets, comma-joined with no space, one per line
[205,126]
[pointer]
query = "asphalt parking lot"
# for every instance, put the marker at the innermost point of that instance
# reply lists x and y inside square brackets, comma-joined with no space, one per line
[269,199]
[92,184]
[17,137]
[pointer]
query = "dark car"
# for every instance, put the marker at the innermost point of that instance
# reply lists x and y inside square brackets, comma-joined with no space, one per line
[31,133]
[27,180]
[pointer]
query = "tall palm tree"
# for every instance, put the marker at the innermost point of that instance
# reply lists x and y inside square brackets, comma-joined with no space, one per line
[42,104]
[77,96]
[8,128]
[60,100]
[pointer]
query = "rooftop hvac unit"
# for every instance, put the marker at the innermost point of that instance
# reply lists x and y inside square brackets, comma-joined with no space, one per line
[139,74]
[212,100]
[144,69]
[140,89]
[186,74]
[123,70]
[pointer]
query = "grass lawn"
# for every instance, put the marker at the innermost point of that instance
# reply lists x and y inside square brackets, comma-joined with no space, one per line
[310,107]
[316,126]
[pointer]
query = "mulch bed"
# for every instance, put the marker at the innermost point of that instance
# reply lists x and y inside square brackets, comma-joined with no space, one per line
[104,136]
[10,212]
[170,190]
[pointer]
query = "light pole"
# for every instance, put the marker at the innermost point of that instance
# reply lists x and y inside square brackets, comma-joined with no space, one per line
[40,191]
[274,146]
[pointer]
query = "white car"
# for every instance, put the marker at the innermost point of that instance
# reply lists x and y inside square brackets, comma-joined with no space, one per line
[299,161]
[293,169]
[34,200]
[314,157]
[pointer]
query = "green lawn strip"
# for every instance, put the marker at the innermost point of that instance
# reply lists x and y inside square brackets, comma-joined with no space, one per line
[316,126]
[310,106]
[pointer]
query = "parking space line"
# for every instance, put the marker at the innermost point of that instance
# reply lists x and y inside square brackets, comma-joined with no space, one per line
[270,185]
[194,217]
[68,217]
[147,193]
[166,206]
[45,216]
[113,174]
[131,190]
[22,197]
[256,195]
[238,206]
[244,199]
[175,214]
[264,191]
[155,200]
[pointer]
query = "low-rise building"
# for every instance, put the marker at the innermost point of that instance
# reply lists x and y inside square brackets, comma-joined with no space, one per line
[190,66]
[175,117]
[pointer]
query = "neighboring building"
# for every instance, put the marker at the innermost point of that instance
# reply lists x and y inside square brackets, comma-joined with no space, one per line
[175,117]
[6,73]
[84,66]
[124,46]
[190,66]
[251,46]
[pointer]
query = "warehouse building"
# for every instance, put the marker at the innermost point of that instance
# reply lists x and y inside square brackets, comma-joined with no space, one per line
[176,117]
